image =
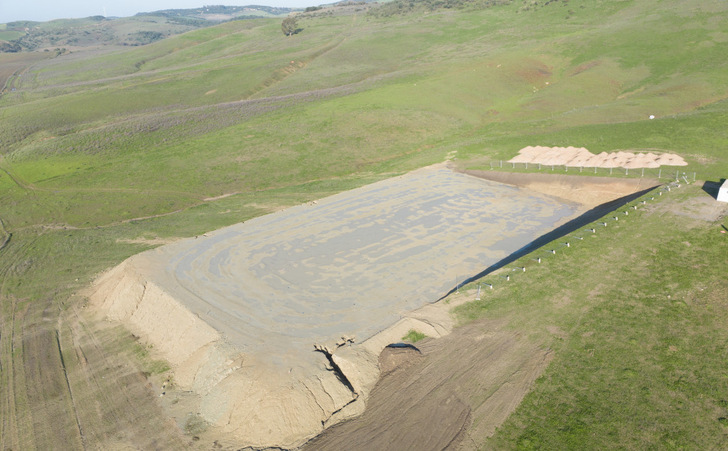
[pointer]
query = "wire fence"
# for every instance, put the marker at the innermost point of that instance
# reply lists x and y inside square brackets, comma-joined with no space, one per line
[509,272]
[666,173]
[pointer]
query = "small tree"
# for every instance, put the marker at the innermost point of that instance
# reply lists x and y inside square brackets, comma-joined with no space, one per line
[289,26]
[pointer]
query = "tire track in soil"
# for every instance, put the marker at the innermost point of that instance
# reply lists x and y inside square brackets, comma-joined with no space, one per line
[12,397]
[68,384]
[37,410]
[120,407]
[282,74]
[453,396]
[8,415]
[53,416]
[59,387]
[5,236]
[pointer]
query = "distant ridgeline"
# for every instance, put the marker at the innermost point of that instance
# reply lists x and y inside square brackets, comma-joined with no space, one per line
[219,13]
[140,29]
[404,6]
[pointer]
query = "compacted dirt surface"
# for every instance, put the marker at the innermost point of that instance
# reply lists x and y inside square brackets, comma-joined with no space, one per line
[450,394]
[276,324]
[585,190]
[277,329]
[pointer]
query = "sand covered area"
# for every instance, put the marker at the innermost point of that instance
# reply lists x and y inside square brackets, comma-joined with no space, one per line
[276,324]
[581,157]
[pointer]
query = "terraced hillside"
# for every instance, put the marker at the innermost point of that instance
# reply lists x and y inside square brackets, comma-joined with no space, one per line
[107,153]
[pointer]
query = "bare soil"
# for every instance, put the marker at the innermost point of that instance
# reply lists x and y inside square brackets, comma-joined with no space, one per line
[69,383]
[253,317]
[454,392]
[116,402]
[461,387]
[700,209]
[452,396]
[589,191]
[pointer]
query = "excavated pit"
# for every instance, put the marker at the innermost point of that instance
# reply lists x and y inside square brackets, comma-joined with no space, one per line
[277,324]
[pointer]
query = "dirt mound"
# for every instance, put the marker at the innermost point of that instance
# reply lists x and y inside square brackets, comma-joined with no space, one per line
[396,357]
[581,157]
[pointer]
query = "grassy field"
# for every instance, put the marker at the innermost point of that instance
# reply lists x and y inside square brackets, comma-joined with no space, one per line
[635,314]
[107,153]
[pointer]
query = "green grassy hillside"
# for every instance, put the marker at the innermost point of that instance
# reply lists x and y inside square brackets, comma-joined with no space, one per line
[635,314]
[484,82]
[102,150]
[63,35]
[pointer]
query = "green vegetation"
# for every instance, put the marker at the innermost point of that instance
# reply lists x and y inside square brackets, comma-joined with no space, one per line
[142,29]
[409,6]
[289,26]
[635,315]
[106,153]
[195,425]
[6,35]
[222,11]
[151,365]
[413,336]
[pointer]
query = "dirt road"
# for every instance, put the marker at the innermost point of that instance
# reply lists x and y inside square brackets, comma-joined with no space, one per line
[453,395]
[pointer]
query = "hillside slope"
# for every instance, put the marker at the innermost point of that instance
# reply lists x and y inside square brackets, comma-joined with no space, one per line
[104,154]
[64,35]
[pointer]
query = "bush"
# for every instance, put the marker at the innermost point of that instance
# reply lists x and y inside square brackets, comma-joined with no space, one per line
[413,336]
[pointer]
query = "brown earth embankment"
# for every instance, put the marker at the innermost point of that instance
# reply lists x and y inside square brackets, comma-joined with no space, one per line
[590,191]
[452,395]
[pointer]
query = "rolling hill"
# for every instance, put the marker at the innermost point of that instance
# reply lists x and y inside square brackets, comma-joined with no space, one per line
[140,29]
[106,151]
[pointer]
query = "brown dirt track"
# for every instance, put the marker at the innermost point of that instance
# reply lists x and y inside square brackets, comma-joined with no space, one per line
[454,395]
[14,64]
[67,384]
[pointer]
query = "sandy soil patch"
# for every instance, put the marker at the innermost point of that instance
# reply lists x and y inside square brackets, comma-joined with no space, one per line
[581,157]
[586,190]
[701,209]
[277,324]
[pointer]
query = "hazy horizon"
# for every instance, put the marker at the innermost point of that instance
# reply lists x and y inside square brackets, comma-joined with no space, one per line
[45,10]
